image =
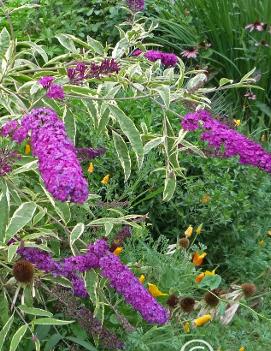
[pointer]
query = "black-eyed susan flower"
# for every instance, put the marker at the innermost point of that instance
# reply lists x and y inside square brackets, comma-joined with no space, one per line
[212,297]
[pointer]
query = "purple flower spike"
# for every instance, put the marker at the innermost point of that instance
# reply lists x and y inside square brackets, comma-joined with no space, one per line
[46,81]
[136,5]
[126,284]
[55,91]
[58,164]
[9,128]
[227,142]
[166,58]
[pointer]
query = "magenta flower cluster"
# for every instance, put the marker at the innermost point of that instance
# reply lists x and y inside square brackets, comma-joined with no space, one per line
[7,158]
[92,70]
[119,276]
[167,59]
[58,163]
[136,5]
[227,142]
[54,91]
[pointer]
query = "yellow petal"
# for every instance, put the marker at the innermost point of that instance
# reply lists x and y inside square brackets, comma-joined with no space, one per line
[105,179]
[242,348]
[198,259]
[91,168]
[237,122]
[210,272]
[27,149]
[118,251]
[186,327]
[202,320]
[189,231]
[154,291]
[142,278]
[269,232]
[199,229]
[199,277]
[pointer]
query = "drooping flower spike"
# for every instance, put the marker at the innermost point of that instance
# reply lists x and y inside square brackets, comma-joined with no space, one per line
[119,276]
[227,142]
[58,164]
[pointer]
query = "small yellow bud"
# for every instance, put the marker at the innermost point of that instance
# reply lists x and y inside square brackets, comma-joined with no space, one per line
[27,149]
[202,320]
[105,179]
[118,251]
[154,291]
[186,327]
[189,231]
[91,168]
[142,278]
[237,122]
[199,229]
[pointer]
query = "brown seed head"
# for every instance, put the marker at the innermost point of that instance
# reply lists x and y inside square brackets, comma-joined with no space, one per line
[212,297]
[184,243]
[249,289]
[23,271]
[172,301]
[187,304]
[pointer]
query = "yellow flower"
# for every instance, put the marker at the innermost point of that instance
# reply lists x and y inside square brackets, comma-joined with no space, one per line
[205,199]
[118,251]
[261,243]
[202,320]
[142,278]
[154,291]
[189,231]
[237,122]
[105,179]
[242,348]
[199,277]
[27,149]
[199,229]
[91,168]
[269,232]
[186,327]
[263,138]
[198,259]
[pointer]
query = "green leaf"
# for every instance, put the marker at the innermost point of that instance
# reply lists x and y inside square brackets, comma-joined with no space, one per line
[4,41]
[5,330]
[129,129]
[61,208]
[224,81]
[123,154]
[35,311]
[95,45]
[17,337]
[152,144]
[164,92]
[20,218]
[30,166]
[67,42]
[50,321]
[210,282]
[4,210]
[4,308]
[77,231]
[52,342]
[12,251]
[83,343]
[170,185]
[70,124]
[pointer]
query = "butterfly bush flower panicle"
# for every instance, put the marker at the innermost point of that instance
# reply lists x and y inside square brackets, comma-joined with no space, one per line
[136,5]
[46,81]
[58,163]
[126,284]
[56,92]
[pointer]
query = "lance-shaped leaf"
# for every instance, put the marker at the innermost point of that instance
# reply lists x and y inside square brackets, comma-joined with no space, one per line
[17,337]
[129,129]
[4,331]
[20,218]
[123,154]
[170,184]
[4,210]
[77,231]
